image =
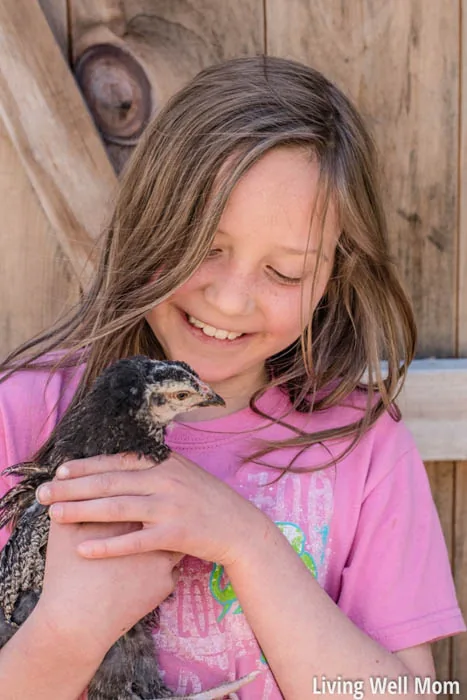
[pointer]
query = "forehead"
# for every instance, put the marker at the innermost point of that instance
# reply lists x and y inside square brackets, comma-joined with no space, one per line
[280,201]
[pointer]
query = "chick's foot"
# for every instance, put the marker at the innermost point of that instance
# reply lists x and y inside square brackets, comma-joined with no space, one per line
[222,691]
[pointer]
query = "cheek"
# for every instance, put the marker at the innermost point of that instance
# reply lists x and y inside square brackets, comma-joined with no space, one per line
[158,319]
[303,301]
[284,314]
[190,286]
[310,303]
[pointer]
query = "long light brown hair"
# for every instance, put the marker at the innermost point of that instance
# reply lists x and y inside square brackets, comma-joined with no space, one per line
[167,210]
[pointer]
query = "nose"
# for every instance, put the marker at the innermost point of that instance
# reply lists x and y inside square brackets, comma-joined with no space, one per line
[231,293]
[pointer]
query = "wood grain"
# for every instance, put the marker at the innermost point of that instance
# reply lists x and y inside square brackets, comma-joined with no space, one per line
[36,280]
[434,405]
[56,14]
[383,55]
[51,129]
[172,41]
[459,651]
[462,231]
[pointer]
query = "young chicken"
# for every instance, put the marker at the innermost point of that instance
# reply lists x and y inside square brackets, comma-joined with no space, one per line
[126,410]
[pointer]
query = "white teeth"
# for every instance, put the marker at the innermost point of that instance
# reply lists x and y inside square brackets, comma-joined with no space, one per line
[213,332]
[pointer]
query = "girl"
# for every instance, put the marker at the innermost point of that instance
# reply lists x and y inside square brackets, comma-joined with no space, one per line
[296,525]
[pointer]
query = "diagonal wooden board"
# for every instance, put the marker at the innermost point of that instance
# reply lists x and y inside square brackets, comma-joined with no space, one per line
[53,132]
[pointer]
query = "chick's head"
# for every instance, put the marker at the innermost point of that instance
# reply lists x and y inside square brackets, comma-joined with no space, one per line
[155,391]
[174,387]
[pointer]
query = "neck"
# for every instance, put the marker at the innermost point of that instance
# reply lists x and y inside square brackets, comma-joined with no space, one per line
[236,392]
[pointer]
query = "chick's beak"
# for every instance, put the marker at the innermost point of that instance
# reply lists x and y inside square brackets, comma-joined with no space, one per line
[210,397]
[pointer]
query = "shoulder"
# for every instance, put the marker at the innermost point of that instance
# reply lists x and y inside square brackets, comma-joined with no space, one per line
[385,444]
[389,439]
[36,390]
[384,463]
[388,433]
[31,404]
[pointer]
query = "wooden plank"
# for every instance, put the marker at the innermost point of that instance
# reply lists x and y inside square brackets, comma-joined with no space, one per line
[434,405]
[399,61]
[36,281]
[462,278]
[441,476]
[459,647]
[52,131]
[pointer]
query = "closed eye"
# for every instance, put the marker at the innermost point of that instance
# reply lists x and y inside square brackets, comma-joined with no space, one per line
[282,278]
[287,280]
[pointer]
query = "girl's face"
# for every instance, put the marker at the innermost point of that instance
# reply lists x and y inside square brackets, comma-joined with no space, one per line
[252,279]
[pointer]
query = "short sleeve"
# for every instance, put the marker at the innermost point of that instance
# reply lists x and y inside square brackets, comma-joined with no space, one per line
[4,532]
[31,403]
[397,584]
[4,485]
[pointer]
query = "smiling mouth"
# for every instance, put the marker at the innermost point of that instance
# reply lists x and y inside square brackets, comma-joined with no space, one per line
[202,334]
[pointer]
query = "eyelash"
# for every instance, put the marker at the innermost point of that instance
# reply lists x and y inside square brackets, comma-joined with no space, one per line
[282,278]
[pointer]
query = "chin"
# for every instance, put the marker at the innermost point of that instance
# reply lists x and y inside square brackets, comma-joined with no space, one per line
[214,376]
[210,375]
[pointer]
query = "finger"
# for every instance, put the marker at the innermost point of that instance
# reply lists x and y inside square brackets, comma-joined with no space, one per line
[94,486]
[105,510]
[121,545]
[123,461]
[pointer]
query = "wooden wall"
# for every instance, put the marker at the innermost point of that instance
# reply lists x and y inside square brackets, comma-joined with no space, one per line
[403,63]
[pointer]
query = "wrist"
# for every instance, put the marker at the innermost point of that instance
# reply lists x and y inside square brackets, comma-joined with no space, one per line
[256,535]
[41,662]
[76,641]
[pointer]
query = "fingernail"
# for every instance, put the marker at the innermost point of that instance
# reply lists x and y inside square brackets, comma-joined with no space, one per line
[43,494]
[63,472]
[56,511]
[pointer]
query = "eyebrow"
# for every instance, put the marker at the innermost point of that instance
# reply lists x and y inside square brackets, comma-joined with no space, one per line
[297,251]
[294,251]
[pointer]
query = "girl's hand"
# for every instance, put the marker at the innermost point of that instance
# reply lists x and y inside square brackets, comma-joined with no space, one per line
[92,603]
[180,507]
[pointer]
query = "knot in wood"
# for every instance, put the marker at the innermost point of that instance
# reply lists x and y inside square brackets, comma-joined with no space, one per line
[117,92]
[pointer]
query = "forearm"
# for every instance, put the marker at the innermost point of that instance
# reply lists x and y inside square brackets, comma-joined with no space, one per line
[38,663]
[301,631]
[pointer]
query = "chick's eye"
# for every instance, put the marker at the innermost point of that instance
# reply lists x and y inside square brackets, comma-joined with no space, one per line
[182,395]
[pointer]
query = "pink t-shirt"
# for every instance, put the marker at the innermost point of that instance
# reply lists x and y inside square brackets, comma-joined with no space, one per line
[367,529]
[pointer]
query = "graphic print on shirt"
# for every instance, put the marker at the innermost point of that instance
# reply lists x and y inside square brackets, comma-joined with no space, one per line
[222,590]
[203,637]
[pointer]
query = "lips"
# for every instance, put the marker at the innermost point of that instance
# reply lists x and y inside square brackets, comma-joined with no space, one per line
[213,331]
[198,333]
